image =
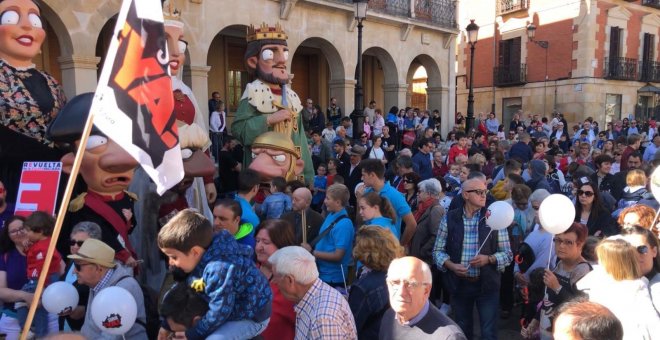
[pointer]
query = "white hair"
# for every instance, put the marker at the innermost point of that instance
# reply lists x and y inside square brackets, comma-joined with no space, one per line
[426,270]
[192,136]
[297,262]
[431,186]
[539,195]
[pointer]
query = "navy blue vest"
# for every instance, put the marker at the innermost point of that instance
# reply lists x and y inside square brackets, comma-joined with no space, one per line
[490,277]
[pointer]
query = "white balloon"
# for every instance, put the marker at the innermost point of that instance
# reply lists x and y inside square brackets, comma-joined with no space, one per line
[655,183]
[114,310]
[499,215]
[60,297]
[556,213]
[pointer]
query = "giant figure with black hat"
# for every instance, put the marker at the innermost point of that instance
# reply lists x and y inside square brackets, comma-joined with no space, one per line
[106,169]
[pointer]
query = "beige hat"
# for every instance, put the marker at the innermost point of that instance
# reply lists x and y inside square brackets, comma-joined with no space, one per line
[358,150]
[95,251]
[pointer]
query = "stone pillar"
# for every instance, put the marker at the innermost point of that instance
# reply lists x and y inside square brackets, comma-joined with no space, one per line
[439,98]
[344,91]
[79,74]
[394,95]
[200,86]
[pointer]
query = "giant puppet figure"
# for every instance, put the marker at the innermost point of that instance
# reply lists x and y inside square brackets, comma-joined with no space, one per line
[268,103]
[29,98]
[186,106]
[107,170]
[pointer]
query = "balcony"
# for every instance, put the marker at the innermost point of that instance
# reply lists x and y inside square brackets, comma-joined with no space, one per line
[510,75]
[649,71]
[511,6]
[440,13]
[620,69]
[651,3]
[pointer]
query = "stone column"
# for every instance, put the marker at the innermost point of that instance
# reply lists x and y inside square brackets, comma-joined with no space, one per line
[79,74]
[344,91]
[200,86]
[394,95]
[439,98]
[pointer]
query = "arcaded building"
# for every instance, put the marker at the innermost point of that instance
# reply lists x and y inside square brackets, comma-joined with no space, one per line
[399,37]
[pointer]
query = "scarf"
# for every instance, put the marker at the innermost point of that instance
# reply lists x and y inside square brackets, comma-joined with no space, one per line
[422,207]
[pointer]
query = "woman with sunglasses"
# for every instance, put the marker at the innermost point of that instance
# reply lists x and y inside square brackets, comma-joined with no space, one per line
[561,281]
[591,211]
[13,248]
[648,258]
[80,232]
[617,285]
[410,181]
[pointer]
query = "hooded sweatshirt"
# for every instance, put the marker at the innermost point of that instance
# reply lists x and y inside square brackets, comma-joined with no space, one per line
[538,181]
[235,288]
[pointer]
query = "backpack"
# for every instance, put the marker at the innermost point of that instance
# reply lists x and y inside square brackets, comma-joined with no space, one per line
[152,326]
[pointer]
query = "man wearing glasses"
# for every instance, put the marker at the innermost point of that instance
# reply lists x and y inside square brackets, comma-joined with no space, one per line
[412,316]
[472,276]
[96,268]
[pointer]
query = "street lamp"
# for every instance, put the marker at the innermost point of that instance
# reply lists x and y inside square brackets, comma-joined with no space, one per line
[531,33]
[357,116]
[472,32]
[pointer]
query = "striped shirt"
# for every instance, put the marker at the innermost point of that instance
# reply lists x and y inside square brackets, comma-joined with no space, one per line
[323,313]
[471,245]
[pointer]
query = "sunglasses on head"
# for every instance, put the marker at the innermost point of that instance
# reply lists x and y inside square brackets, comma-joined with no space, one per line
[76,243]
[585,193]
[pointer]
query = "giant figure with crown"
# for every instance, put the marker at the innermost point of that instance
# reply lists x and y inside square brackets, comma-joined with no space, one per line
[269,111]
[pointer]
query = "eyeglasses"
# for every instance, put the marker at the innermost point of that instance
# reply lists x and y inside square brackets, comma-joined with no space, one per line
[16,231]
[79,266]
[363,136]
[585,193]
[559,241]
[408,181]
[76,243]
[480,192]
[407,285]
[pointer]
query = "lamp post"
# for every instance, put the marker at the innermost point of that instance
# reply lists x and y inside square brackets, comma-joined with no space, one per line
[472,32]
[357,116]
[531,33]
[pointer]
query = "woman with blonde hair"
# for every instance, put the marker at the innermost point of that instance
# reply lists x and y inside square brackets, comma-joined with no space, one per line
[375,248]
[621,289]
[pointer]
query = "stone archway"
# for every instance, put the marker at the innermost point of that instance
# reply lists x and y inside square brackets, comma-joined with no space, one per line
[433,82]
[379,75]
[316,66]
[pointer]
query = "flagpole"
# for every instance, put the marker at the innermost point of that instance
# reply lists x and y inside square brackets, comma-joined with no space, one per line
[58,223]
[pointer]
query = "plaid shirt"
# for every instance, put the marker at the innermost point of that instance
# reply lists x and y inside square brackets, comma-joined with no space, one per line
[471,244]
[103,282]
[323,313]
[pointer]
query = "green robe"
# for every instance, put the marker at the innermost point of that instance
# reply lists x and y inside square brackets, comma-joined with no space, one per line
[250,123]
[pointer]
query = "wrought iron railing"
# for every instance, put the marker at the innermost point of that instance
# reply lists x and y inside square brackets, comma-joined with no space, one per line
[510,6]
[620,68]
[435,12]
[649,71]
[441,12]
[651,3]
[510,75]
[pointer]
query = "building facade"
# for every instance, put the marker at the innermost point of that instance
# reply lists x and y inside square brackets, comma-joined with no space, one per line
[399,36]
[589,58]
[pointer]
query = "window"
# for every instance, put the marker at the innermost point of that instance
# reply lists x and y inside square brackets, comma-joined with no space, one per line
[236,81]
[509,70]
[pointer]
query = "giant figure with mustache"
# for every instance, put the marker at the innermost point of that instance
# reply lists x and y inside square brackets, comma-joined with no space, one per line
[268,103]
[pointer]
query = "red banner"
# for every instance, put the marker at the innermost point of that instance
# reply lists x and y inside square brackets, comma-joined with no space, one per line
[37,190]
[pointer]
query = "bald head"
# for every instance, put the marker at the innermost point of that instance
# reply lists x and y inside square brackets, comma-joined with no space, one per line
[409,285]
[413,265]
[301,199]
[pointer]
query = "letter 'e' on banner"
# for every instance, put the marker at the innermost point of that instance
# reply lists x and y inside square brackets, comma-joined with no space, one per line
[37,190]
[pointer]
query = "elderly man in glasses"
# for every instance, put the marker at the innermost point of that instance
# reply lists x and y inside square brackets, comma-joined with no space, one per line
[412,316]
[473,260]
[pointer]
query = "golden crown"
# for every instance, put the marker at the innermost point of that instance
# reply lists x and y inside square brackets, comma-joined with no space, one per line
[265,32]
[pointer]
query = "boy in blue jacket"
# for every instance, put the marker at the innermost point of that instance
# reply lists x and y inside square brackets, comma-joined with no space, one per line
[239,295]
